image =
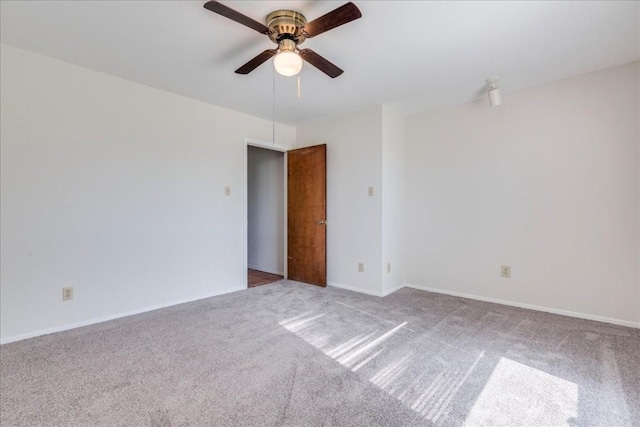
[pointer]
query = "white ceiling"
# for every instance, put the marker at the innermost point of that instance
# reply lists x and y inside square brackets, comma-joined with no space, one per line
[417,55]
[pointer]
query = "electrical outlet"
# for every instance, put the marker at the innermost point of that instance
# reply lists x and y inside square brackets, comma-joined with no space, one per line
[388,267]
[370,191]
[505,271]
[67,294]
[227,191]
[360,267]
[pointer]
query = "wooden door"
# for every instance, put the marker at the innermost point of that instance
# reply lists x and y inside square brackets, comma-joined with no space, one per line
[306,215]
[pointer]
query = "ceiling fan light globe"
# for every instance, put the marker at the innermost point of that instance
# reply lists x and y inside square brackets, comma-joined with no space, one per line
[287,63]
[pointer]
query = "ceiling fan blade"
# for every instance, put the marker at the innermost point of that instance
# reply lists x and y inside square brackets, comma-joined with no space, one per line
[320,63]
[227,12]
[257,61]
[340,16]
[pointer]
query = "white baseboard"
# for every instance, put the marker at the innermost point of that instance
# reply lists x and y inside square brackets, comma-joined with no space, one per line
[493,300]
[390,291]
[366,291]
[93,321]
[266,270]
[333,284]
[529,306]
[351,288]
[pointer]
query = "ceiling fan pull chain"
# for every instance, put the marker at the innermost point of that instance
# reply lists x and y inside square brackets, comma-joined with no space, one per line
[299,93]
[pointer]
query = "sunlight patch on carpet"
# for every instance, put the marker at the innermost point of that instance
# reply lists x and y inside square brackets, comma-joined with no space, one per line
[373,348]
[518,394]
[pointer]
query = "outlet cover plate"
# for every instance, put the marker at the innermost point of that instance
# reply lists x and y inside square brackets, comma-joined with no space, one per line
[505,271]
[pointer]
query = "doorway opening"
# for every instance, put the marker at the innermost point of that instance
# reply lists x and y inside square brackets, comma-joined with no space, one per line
[266,220]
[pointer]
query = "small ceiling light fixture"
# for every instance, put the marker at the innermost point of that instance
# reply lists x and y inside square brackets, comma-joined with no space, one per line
[287,62]
[495,98]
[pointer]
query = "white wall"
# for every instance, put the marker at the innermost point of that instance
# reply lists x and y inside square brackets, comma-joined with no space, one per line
[548,183]
[116,189]
[393,199]
[265,206]
[354,163]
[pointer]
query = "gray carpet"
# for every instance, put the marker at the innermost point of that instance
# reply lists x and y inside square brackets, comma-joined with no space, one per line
[297,355]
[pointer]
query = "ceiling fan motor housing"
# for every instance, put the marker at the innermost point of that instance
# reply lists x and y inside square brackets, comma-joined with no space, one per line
[286,25]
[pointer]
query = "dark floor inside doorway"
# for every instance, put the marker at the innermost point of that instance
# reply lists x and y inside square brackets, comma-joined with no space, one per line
[257,278]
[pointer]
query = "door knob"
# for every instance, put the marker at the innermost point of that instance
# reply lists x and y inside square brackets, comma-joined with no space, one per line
[322,222]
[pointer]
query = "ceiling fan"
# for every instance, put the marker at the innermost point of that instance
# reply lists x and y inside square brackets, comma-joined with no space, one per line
[288,29]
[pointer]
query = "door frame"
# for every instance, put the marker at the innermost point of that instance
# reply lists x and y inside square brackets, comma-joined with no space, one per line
[249,142]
